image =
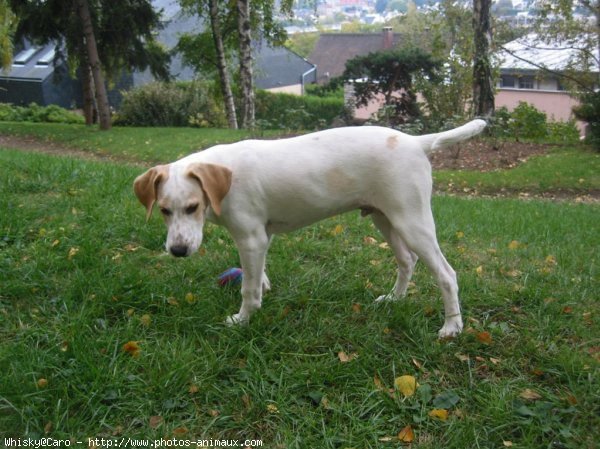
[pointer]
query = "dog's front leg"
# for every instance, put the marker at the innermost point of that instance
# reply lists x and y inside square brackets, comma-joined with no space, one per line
[253,251]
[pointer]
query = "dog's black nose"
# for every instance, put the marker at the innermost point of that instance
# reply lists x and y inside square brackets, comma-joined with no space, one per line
[179,250]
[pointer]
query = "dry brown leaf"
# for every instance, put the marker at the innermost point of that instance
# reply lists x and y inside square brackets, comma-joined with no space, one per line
[155,421]
[132,348]
[406,435]
[484,337]
[529,395]
[345,358]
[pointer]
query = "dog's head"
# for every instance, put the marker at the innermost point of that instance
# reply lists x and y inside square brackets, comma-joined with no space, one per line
[183,194]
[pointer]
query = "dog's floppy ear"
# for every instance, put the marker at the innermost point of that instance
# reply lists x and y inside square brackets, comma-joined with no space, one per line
[146,186]
[215,181]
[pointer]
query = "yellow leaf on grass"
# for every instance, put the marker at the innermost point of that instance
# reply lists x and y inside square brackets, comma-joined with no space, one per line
[146,320]
[479,270]
[42,382]
[132,348]
[73,252]
[439,413]
[406,435]
[529,395]
[155,421]
[189,297]
[272,408]
[345,358]
[407,385]
[507,443]
[514,244]
[337,230]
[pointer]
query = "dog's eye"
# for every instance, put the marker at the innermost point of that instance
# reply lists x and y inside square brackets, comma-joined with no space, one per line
[166,212]
[191,209]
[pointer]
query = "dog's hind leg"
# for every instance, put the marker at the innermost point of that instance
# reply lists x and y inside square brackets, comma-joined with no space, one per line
[418,232]
[405,258]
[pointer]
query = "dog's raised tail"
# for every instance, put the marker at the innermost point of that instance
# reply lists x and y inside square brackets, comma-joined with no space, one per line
[432,142]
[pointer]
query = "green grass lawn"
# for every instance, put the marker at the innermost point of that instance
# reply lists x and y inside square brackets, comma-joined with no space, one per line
[82,275]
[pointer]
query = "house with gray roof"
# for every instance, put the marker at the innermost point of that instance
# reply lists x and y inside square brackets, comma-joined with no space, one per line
[333,50]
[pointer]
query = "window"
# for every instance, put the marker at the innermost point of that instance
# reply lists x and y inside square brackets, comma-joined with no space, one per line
[526,82]
[25,55]
[47,57]
[507,81]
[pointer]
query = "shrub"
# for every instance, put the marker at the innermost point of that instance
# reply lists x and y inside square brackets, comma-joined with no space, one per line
[286,111]
[526,122]
[171,104]
[37,113]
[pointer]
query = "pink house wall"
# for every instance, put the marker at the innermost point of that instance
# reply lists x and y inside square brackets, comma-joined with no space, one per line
[557,105]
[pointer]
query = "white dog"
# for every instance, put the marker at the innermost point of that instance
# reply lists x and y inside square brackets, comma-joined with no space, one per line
[258,188]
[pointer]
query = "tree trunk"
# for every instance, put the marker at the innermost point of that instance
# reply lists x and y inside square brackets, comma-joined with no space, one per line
[215,24]
[94,63]
[87,86]
[247,84]
[483,86]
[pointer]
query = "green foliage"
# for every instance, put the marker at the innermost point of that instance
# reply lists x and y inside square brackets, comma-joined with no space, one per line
[171,104]
[293,112]
[525,122]
[589,111]
[37,113]
[390,74]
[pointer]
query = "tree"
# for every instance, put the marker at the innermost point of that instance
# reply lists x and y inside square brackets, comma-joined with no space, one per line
[93,60]
[391,74]
[239,22]
[208,49]
[8,25]
[245,54]
[483,83]
[123,32]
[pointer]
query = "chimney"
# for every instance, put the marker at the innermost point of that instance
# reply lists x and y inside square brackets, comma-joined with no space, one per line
[388,38]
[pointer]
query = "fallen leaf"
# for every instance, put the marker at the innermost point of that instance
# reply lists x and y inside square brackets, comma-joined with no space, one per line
[417,363]
[514,244]
[337,230]
[48,427]
[345,358]
[272,408]
[460,234]
[132,348]
[484,337]
[571,399]
[146,320]
[406,435]
[567,310]
[73,252]
[193,389]
[370,241]
[42,383]
[155,421]
[214,413]
[439,413]
[407,385]
[356,307]
[530,395]
[507,443]
[479,270]
[550,260]
[494,361]
[179,431]
[189,297]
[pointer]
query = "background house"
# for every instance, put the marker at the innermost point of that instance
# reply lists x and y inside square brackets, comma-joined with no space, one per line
[36,77]
[530,71]
[33,78]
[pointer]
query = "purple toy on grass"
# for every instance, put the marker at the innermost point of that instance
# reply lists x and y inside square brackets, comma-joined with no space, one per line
[230,276]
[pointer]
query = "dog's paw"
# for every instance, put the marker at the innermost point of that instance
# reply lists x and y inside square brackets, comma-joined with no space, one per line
[390,297]
[451,328]
[236,320]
